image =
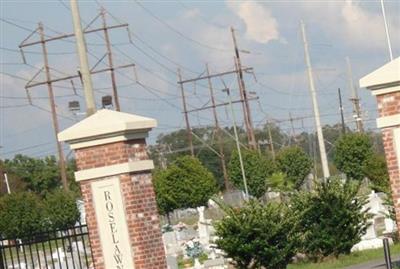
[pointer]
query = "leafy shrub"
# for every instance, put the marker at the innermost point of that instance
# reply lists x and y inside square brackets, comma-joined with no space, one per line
[376,170]
[257,235]
[61,209]
[22,214]
[186,183]
[40,175]
[295,164]
[25,214]
[331,219]
[257,168]
[351,152]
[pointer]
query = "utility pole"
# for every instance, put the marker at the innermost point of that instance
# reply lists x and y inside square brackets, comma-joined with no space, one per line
[341,111]
[292,127]
[246,191]
[53,109]
[354,99]
[218,132]
[84,64]
[7,184]
[387,31]
[161,156]
[271,143]
[245,121]
[188,129]
[110,60]
[324,160]
[193,80]
[242,88]
[49,80]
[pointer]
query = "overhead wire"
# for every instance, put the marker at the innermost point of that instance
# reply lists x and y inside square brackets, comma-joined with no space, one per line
[202,18]
[141,84]
[148,88]
[167,25]
[136,36]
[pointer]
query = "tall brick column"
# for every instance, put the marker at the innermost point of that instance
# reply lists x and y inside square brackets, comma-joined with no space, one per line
[114,173]
[384,83]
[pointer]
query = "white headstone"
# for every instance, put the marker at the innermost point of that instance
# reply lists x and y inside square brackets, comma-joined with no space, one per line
[200,209]
[214,264]
[172,262]
[203,231]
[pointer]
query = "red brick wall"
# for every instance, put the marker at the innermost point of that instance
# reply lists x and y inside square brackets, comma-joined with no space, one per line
[91,221]
[388,105]
[139,200]
[143,222]
[112,153]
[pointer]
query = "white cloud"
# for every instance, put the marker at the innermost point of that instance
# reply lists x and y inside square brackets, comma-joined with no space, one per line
[191,13]
[362,26]
[261,26]
[353,22]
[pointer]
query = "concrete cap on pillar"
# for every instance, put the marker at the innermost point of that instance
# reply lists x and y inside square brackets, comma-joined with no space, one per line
[385,82]
[387,76]
[107,126]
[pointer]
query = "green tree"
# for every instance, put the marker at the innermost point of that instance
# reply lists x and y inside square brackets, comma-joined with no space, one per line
[15,183]
[21,214]
[295,164]
[331,219]
[186,183]
[61,209]
[351,153]
[72,183]
[40,175]
[258,236]
[375,169]
[257,169]
[279,137]
[175,144]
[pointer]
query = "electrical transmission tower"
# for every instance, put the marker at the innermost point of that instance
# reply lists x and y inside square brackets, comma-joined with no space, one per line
[44,39]
[213,107]
[243,93]
[355,99]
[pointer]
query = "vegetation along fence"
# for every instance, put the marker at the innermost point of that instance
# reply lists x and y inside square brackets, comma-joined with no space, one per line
[68,249]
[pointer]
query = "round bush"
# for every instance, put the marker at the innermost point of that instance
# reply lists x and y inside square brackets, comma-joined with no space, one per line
[61,209]
[22,214]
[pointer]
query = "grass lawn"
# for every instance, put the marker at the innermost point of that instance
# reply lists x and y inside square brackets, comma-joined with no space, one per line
[349,260]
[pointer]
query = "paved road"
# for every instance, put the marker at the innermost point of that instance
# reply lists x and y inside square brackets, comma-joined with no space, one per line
[378,264]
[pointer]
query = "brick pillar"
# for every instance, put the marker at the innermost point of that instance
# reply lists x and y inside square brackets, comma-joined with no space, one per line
[389,109]
[384,83]
[114,173]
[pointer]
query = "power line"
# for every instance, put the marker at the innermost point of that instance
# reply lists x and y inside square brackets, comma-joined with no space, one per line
[202,18]
[37,97]
[16,25]
[129,57]
[178,32]
[14,106]
[27,148]
[37,52]
[136,36]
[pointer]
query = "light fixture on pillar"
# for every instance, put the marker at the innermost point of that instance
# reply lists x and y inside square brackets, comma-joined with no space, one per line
[106,101]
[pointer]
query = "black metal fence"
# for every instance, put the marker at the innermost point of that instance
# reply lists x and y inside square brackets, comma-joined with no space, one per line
[68,249]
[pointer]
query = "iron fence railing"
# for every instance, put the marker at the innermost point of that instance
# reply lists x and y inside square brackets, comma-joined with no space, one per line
[58,249]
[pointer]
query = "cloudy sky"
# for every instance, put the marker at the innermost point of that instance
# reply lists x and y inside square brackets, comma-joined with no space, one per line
[165,35]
